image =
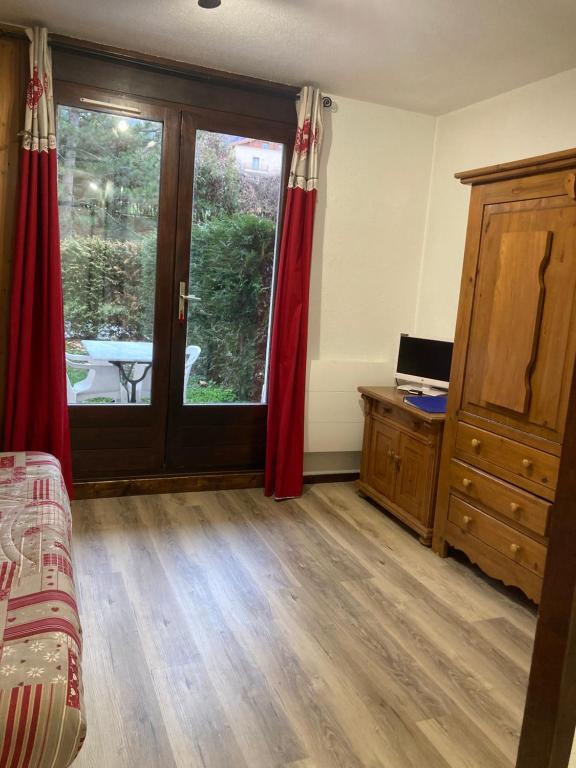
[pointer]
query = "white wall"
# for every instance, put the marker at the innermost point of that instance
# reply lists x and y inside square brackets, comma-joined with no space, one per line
[390,232]
[533,120]
[375,172]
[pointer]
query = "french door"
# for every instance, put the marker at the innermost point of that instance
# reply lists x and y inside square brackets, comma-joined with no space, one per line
[170,219]
[225,255]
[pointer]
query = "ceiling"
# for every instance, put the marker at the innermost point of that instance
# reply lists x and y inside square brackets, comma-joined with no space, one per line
[430,56]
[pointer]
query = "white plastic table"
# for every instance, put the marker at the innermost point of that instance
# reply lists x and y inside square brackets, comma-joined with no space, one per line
[123,354]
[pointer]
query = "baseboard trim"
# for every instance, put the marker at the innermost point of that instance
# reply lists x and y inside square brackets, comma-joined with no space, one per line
[139,486]
[220,481]
[330,477]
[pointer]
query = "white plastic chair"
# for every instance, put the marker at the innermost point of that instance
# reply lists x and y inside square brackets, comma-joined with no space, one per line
[103,380]
[73,390]
[144,388]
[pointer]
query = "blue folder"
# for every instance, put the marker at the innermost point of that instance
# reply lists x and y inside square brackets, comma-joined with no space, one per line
[428,403]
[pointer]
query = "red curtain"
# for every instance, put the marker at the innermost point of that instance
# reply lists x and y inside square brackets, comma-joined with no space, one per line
[36,413]
[287,369]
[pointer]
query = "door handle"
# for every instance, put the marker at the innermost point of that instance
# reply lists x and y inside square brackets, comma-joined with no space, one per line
[183,297]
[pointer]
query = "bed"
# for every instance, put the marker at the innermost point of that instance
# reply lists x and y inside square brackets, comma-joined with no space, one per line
[41,709]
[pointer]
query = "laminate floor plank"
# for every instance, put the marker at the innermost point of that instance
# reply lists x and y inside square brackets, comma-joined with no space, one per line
[198,728]
[247,544]
[159,617]
[121,701]
[212,588]
[368,698]
[462,744]
[373,660]
[460,682]
[434,625]
[511,641]
[491,599]
[301,764]
[389,550]
[317,558]
[226,630]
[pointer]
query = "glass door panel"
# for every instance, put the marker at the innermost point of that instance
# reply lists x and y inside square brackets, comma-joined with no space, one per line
[118,195]
[233,172]
[109,192]
[235,211]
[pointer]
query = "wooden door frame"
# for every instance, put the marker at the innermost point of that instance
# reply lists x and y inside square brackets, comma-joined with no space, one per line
[81,68]
[150,79]
[142,427]
[550,710]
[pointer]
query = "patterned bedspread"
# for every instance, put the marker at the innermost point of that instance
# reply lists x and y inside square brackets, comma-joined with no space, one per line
[41,713]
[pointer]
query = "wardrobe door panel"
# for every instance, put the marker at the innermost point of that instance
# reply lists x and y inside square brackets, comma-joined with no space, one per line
[521,341]
[514,323]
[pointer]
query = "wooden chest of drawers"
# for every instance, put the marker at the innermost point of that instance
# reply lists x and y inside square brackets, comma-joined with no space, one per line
[401,458]
[513,356]
[499,495]
[501,527]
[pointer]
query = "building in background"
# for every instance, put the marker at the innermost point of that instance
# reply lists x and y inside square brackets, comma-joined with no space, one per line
[258,158]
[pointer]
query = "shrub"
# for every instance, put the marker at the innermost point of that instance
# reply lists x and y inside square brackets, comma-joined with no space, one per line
[102,288]
[109,294]
[231,273]
[208,394]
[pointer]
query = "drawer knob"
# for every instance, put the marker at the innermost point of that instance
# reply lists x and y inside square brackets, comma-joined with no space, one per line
[466,482]
[514,508]
[514,548]
[475,442]
[466,519]
[526,463]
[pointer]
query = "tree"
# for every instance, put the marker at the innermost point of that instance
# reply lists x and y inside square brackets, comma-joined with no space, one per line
[109,173]
[221,189]
[231,271]
[217,179]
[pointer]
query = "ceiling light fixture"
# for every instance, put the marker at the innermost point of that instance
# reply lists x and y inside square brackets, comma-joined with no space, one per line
[209,3]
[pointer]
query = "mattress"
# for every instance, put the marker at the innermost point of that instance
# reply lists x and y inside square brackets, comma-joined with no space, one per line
[41,708]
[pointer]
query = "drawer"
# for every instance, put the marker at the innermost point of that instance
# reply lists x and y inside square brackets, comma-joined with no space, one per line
[477,446]
[514,545]
[505,499]
[412,423]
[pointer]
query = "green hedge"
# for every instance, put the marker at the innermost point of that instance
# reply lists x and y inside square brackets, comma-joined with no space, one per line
[231,272]
[109,293]
[104,294]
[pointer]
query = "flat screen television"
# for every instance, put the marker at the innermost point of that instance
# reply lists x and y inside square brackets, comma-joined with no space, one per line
[423,364]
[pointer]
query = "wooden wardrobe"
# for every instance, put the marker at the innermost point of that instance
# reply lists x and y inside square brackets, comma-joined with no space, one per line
[512,365]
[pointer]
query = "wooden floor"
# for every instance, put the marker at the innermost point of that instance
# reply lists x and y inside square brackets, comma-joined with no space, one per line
[225,630]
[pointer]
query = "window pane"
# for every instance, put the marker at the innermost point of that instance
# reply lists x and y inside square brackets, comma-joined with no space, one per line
[108,188]
[237,185]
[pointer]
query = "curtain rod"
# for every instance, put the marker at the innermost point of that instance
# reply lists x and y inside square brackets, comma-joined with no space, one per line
[327,101]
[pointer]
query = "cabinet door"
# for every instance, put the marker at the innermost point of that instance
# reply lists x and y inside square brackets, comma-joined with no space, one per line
[381,470]
[415,464]
[522,335]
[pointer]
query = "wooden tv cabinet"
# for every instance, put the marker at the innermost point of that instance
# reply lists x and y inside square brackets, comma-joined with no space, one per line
[401,458]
